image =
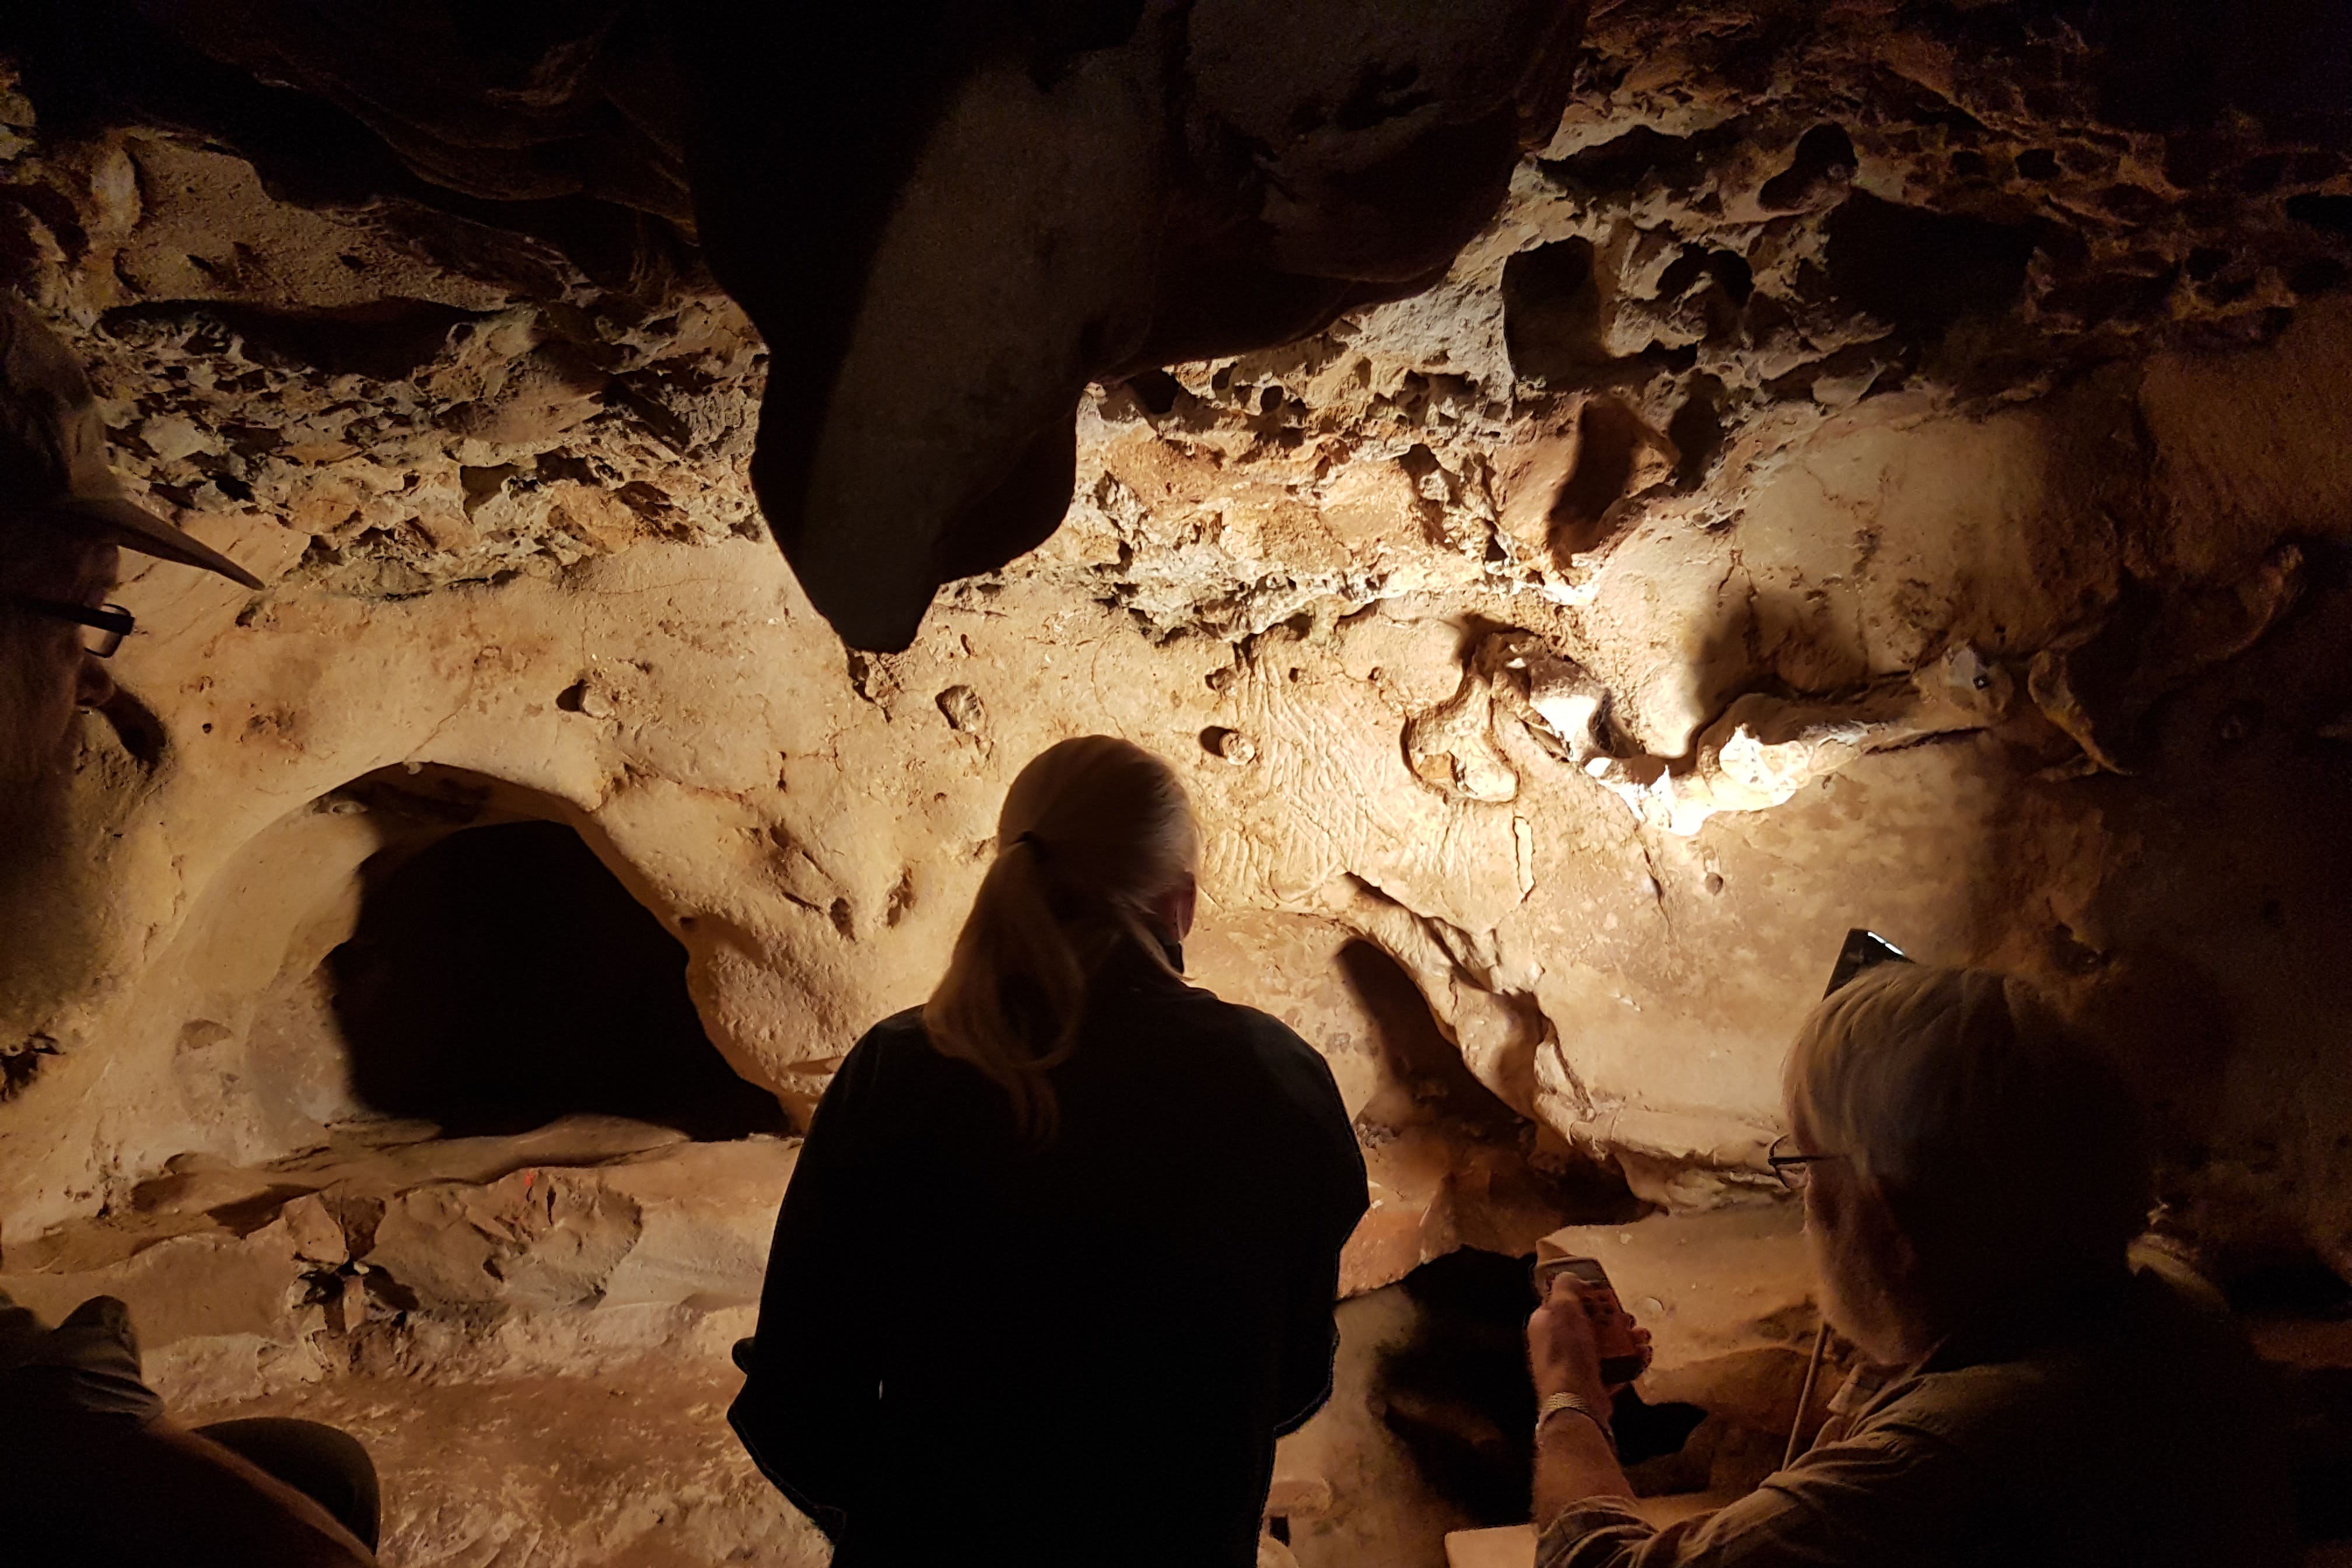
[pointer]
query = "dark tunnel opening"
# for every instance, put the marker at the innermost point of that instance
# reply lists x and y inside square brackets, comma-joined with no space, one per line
[502,978]
[1457,1394]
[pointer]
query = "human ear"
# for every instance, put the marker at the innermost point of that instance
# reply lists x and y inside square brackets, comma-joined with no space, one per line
[1177,907]
[1184,901]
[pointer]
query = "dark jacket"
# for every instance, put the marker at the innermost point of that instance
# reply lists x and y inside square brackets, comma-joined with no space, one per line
[970,1350]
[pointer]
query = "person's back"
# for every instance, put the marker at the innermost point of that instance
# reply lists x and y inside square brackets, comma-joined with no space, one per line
[2137,1436]
[1083,1342]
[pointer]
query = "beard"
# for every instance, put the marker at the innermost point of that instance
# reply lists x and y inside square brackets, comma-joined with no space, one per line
[47,922]
[1852,1265]
[47,928]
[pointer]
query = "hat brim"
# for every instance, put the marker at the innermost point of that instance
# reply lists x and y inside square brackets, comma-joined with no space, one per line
[134,527]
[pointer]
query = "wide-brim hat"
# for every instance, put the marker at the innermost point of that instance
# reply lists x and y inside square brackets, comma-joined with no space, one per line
[53,453]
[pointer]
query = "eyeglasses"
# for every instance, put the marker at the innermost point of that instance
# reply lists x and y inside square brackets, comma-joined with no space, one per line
[1793,1169]
[107,625]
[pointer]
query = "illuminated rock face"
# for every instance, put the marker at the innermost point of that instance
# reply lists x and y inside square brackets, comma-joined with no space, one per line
[1860,478]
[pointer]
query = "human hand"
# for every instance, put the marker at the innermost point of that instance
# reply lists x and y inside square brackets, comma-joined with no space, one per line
[1566,1334]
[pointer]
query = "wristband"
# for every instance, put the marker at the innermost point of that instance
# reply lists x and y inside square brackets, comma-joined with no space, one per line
[1553,1404]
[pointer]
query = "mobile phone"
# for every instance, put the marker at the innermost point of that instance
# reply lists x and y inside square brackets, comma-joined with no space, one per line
[1623,1357]
[1863,950]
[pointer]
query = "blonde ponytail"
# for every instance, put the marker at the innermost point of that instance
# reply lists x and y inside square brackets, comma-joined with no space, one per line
[1093,831]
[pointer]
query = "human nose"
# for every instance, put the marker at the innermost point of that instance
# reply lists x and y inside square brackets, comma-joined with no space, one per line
[93,686]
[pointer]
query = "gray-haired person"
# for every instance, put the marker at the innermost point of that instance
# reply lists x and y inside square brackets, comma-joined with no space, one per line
[1974,1177]
[92,1469]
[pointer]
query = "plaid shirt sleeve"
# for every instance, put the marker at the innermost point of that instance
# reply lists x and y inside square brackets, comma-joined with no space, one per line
[1868,1501]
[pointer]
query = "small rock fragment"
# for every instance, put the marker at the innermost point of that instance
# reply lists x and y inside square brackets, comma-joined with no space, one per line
[580,697]
[1229,745]
[960,705]
[317,1235]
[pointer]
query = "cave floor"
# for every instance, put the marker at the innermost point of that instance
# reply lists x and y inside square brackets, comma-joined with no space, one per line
[633,1468]
[530,1334]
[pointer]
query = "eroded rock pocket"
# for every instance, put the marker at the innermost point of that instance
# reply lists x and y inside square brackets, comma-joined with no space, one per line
[501,978]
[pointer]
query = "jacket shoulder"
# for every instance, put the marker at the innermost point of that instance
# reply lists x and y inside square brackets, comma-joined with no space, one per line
[1275,1047]
[885,1056]
[1300,1084]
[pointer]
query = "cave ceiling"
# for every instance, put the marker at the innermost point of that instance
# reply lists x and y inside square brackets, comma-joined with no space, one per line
[948,224]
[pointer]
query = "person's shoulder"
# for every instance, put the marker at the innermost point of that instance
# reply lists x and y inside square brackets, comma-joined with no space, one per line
[885,1052]
[1265,1038]
[895,1093]
[1965,1403]
[1278,1056]
[2161,1336]
[900,1032]
[1263,1030]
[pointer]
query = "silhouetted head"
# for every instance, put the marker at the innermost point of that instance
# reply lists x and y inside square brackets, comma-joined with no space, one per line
[64,519]
[46,670]
[47,673]
[64,522]
[1987,1159]
[1096,853]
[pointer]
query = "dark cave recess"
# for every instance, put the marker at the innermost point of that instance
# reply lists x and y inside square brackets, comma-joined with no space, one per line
[501,978]
[1457,1393]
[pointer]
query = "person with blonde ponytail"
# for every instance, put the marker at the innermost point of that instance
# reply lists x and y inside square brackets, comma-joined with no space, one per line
[1058,1261]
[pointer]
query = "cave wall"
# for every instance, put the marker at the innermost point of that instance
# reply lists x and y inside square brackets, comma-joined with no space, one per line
[1933,521]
